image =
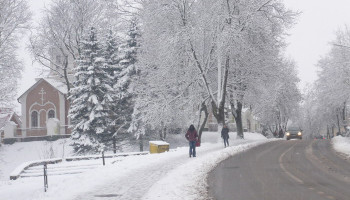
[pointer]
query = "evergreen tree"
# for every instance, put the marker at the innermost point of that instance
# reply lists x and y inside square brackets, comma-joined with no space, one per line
[130,47]
[111,55]
[90,97]
[124,74]
[111,67]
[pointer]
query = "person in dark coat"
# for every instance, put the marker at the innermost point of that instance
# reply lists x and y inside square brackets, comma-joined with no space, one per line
[192,137]
[280,134]
[275,134]
[224,135]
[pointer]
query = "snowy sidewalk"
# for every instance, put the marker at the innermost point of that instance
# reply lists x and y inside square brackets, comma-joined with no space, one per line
[170,175]
[138,179]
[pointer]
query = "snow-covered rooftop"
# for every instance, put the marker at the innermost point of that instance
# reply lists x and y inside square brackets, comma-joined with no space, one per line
[59,85]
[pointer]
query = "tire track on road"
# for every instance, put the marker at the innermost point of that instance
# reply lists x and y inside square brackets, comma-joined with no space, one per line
[285,170]
[315,181]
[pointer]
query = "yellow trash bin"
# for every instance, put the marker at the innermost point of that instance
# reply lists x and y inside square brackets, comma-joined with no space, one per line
[158,146]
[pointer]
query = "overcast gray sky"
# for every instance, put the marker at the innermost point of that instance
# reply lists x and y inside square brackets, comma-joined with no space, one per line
[29,74]
[315,29]
[308,41]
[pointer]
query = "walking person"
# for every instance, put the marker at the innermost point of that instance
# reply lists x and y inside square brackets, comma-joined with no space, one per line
[192,137]
[281,134]
[224,135]
[275,134]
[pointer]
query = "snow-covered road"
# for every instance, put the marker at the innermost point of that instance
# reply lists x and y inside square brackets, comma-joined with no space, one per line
[170,175]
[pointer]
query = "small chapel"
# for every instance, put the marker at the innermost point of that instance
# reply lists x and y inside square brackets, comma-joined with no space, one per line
[44,108]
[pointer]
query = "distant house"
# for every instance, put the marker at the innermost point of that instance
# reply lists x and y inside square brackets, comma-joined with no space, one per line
[10,123]
[249,121]
[44,106]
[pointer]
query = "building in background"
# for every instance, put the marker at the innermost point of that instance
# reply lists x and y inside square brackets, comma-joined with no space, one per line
[10,124]
[44,108]
[250,122]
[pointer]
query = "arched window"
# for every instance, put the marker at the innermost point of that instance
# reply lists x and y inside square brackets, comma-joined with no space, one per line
[51,114]
[35,120]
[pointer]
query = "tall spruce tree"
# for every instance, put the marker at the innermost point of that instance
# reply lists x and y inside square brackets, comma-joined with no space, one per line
[91,100]
[130,47]
[113,69]
[124,74]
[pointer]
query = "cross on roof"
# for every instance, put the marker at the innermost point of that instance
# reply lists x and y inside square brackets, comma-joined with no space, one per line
[42,92]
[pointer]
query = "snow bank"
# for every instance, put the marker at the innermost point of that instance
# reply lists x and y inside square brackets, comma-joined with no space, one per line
[342,144]
[254,136]
[189,181]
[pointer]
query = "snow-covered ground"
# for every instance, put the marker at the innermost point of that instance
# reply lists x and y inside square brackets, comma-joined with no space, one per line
[13,155]
[342,144]
[170,175]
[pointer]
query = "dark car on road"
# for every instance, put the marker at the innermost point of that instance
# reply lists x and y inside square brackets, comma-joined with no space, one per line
[294,132]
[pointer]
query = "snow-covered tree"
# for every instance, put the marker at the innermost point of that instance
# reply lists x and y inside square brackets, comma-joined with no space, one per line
[55,43]
[330,97]
[253,54]
[312,115]
[280,102]
[168,93]
[128,50]
[91,97]
[14,20]
[125,74]
[199,49]
[111,67]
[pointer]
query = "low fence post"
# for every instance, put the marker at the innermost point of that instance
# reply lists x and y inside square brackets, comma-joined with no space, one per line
[103,157]
[114,145]
[46,185]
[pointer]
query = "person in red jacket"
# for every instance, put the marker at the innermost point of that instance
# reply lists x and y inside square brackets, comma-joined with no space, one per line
[192,137]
